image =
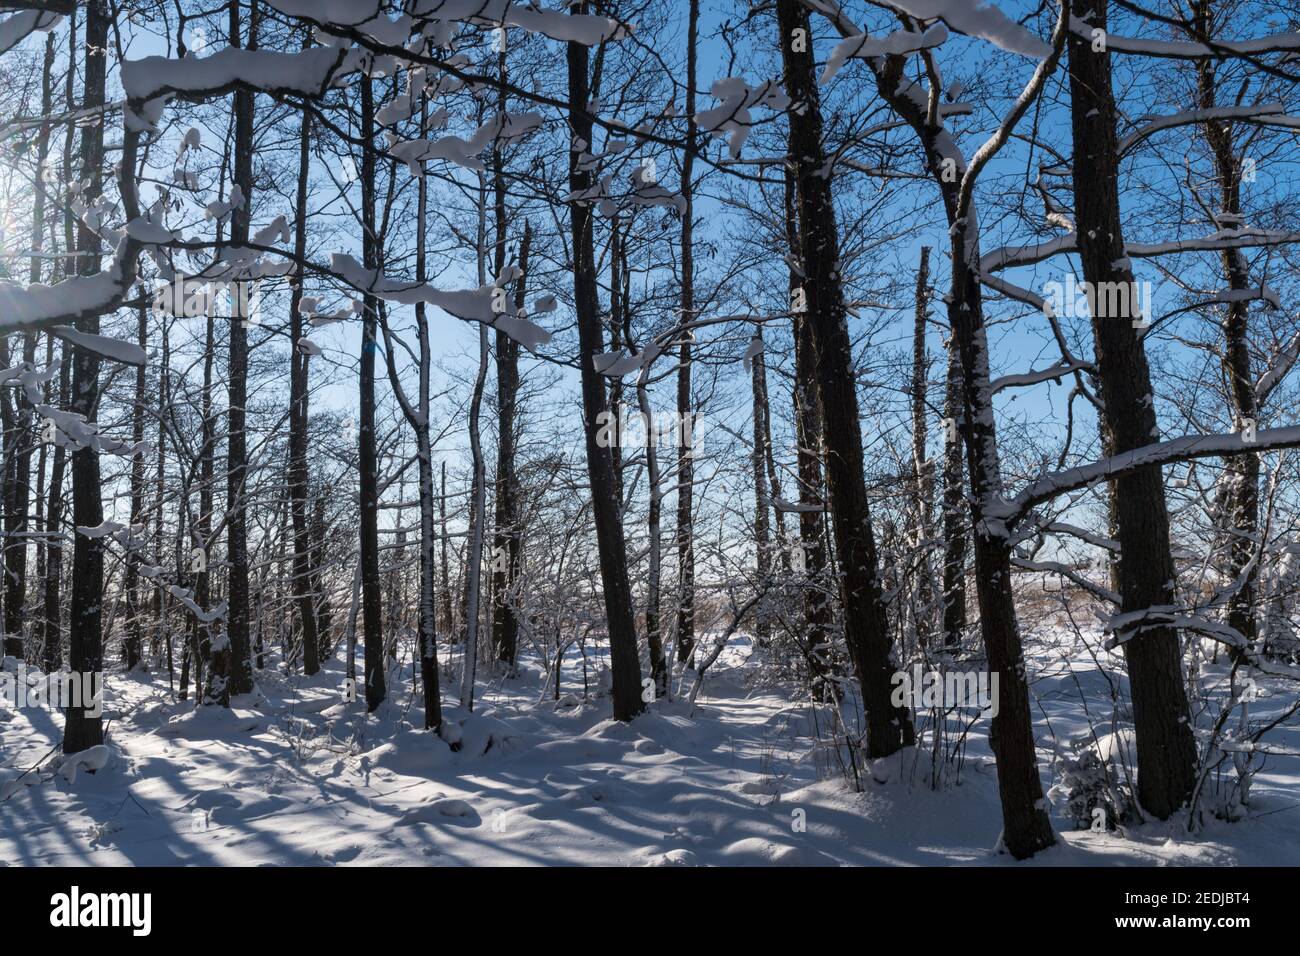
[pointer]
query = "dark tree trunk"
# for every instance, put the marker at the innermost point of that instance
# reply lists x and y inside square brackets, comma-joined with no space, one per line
[371,590]
[954,507]
[1166,751]
[866,623]
[85,648]
[1239,500]
[624,665]
[200,651]
[621,296]
[417,414]
[231,666]
[922,468]
[52,611]
[135,606]
[812,490]
[52,633]
[320,597]
[506,539]
[762,498]
[162,634]
[685,462]
[447,619]
[19,471]
[298,416]
[1026,827]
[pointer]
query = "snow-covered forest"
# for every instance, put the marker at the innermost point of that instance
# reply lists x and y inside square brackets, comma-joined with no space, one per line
[632,432]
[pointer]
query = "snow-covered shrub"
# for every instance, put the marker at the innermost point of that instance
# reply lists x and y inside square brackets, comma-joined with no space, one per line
[1089,789]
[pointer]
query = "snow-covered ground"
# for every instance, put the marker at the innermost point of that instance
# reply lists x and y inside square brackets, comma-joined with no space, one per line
[296,776]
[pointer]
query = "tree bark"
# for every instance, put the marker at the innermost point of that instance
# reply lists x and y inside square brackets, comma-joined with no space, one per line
[685,462]
[1166,751]
[812,491]
[232,671]
[131,585]
[866,625]
[954,506]
[922,467]
[19,471]
[1239,509]
[624,665]
[762,498]
[85,641]
[1026,826]
[371,590]
[299,370]
[506,539]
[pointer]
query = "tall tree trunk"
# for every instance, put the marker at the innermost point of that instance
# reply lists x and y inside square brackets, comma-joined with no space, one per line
[19,470]
[448,619]
[86,653]
[625,667]
[866,624]
[316,529]
[478,486]
[1026,826]
[506,546]
[685,462]
[371,591]
[812,491]
[231,670]
[428,623]
[298,417]
[1166,751]
[161,632]
[762,499]
[52,631]
[1240,480]
[200,651]
[954,506]
[922,468]
[135,606]
[506,538]
[621,297]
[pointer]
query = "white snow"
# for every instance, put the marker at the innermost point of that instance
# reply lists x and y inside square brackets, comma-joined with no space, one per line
[295,775]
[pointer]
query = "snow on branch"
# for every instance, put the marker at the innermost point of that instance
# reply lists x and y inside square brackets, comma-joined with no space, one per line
[364,17]
[15,29]
[128,353]
[864,47]
[1187,447]
[732,118]
[309,72]
[1282,42]
[1240,238]
[1065,571]
[1036,376]
[1265,114]
[485,304]
[976,19]
[53,307]
[503,128]
[1124,627]
[584,28]
[1278,368]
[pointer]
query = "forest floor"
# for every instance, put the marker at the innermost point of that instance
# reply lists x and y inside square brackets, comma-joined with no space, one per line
[296,776]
